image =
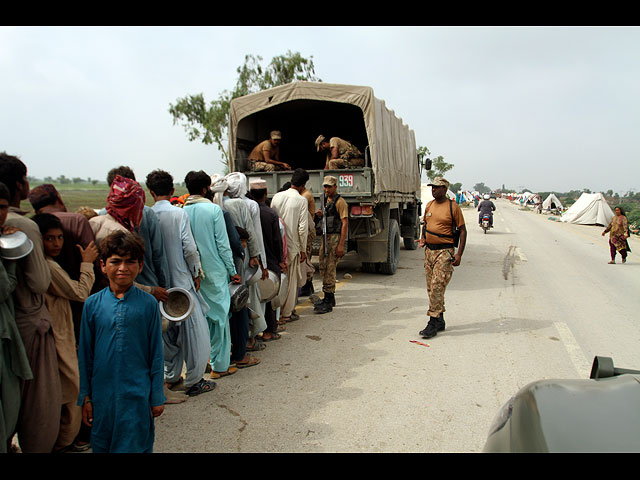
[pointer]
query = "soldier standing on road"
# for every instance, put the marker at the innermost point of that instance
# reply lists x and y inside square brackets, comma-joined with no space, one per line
[340,153]
[265,157]
[337,220]
[441,218]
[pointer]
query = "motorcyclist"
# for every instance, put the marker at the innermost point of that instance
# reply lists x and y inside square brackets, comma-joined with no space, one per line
[486,207]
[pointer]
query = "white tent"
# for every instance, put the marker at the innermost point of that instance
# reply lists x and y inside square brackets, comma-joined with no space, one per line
[551,198]
[426,197]
[589,209]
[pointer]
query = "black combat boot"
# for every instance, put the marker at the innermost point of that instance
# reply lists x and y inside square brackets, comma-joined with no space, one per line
[326,305]
[431,330]
[306,290]
[441,322]
[331,298]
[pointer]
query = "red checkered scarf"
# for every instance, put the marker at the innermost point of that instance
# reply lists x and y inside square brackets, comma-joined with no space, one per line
[126,202]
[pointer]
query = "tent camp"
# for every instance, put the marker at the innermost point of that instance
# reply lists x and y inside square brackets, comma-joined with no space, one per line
[546,205]
[425,194]
[589,209]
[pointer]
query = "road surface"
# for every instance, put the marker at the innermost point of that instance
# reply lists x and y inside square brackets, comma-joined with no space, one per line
[533,299]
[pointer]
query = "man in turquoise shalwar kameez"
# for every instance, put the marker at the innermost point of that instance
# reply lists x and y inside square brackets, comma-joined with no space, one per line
[210,233]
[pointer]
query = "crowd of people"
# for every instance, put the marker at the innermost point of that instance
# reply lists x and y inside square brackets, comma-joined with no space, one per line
[87,359]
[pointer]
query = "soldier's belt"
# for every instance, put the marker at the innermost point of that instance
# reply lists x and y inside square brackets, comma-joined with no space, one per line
[439,246]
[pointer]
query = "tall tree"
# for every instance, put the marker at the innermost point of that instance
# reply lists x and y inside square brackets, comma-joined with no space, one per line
[481,188]
[209,122]
[438,167]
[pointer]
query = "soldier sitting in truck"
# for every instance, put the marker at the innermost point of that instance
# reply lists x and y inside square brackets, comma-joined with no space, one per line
[265,157]
[340,153]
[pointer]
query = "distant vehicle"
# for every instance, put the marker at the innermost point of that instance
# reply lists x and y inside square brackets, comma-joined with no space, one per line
[572,416]
[493,195]
[486,222]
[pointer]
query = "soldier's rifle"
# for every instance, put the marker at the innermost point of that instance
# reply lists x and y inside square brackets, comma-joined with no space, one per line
[324,224]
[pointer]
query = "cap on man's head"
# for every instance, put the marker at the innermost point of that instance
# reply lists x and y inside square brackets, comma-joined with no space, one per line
[439,182]
[43,195]
[276,135]
[257,184]
[319,140]
[329,181]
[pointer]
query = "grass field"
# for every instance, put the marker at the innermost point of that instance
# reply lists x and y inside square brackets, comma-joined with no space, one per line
[87,195]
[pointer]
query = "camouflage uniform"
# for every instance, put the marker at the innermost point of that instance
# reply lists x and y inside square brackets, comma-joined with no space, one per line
[349,157]
[329,264]
[438,270]
[261,166]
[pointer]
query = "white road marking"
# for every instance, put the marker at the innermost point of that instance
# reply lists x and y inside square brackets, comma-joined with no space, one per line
[521,255]
[573,349]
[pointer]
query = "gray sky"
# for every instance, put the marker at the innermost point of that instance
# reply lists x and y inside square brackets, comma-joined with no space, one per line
[548,108]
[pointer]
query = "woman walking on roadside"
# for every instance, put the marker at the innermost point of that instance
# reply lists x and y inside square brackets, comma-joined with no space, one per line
[618,233]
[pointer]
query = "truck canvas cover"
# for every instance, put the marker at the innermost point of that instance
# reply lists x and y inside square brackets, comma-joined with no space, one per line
[392,145]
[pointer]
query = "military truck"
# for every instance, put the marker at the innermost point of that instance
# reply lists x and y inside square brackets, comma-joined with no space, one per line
[383,196]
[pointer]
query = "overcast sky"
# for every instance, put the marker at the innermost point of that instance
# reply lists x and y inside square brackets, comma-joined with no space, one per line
[548,108]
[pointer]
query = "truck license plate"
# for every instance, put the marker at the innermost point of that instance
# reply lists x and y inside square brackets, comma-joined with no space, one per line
[345,180]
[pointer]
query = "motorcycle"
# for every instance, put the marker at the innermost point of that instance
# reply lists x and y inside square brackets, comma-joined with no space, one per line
[486,223]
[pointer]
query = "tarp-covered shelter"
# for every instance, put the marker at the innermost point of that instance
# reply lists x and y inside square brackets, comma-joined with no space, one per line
[426,196]
[589,209]
[354,111]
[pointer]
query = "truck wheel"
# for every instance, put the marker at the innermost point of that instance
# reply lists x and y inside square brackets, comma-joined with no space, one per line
[409,243]
[393,249]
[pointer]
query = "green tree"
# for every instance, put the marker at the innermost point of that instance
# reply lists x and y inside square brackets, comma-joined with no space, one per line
[481,188]
[438,166]
[209,122]
[455,187]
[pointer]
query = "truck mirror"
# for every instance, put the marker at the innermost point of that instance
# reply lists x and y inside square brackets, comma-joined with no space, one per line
[427,164]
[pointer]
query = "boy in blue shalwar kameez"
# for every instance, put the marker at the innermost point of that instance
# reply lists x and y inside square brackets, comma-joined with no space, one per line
[121,354]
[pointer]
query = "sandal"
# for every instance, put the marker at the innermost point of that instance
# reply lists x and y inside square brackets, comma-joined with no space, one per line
[284,320]
[612,262]
[177,386]
[249,363]
[257,347]
[274,336]
[229,371]
[80,447]
[202,386]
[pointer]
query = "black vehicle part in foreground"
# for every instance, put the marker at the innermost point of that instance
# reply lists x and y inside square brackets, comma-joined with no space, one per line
[596,415]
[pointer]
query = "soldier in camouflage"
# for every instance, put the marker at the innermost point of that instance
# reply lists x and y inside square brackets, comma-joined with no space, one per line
[340,153]
[337,218]
[440,217]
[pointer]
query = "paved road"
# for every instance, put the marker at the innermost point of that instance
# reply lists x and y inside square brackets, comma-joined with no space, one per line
[533,299]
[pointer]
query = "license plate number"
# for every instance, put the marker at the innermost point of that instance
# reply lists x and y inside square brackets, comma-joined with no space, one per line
[345,180]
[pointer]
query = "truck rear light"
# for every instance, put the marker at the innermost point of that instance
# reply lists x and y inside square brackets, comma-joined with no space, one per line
[367,210]
[356,211]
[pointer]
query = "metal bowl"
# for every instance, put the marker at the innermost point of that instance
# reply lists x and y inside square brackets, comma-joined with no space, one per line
[269,287]
[279,299]
[178,306]
[239,296]
[15,245]
[252,275]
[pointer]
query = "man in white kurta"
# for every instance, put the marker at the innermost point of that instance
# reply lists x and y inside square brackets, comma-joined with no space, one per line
[237,188]
[185,342]
[291,207]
